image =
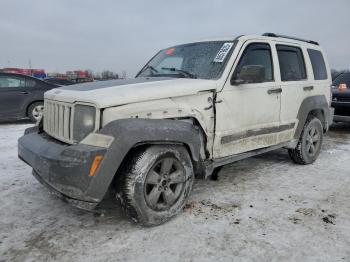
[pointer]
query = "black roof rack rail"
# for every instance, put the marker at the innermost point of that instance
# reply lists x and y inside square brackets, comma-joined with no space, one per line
[290,37]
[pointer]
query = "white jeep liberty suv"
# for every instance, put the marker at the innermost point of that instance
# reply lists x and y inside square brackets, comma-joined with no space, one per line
[191,109]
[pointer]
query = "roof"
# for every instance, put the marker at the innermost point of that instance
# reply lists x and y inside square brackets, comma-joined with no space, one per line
[266,36]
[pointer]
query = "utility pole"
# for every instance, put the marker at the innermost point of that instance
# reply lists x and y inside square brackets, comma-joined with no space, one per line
[30,66]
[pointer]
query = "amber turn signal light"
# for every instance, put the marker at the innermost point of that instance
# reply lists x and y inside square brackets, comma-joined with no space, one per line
[95,165]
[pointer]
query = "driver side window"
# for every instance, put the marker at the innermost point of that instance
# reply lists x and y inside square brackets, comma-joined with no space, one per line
[255,65]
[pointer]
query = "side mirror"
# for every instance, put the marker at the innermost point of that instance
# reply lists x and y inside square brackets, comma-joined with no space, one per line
[249,74]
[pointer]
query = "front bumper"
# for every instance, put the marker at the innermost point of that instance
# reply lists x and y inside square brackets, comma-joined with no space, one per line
[63,168]
[339,118]
[342,111]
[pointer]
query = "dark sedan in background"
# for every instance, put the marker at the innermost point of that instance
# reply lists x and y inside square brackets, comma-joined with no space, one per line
[341,98]
[22,96]
[59,81]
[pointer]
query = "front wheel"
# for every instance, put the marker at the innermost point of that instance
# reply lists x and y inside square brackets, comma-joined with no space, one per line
[156,183]
[310,143]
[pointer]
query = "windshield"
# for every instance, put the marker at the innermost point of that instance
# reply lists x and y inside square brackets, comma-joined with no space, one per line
[342,79]
[204,60]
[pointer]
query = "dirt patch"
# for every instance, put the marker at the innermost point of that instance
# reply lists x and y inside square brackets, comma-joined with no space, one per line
[209,209]
[38,243]
[306,211]
[295,220]
[329,219]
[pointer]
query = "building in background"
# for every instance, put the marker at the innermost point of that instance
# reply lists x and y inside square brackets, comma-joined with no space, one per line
[76,76]
[38,73]
[79,76]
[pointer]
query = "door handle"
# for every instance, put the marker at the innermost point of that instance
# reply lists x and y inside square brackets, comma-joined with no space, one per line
[24,92]
[308,88]
[274,91]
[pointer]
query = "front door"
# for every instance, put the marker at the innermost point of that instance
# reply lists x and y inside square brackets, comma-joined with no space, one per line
[248,114]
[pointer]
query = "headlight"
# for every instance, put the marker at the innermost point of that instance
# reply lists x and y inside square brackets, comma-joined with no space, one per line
[84,121]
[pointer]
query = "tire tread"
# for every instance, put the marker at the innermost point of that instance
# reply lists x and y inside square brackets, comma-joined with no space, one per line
[132,170]
[296,154]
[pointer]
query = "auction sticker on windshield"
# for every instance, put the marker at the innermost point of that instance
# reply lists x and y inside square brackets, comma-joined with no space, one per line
[170,51]
[221,55]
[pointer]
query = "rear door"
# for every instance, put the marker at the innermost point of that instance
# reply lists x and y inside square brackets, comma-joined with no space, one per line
[13,96]
[294,82]
[247,115]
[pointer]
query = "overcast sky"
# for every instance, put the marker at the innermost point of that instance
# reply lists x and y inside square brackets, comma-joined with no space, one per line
[122,35]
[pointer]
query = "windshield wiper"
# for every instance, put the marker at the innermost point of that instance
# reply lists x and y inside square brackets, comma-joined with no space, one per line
[148,67]
[182,72]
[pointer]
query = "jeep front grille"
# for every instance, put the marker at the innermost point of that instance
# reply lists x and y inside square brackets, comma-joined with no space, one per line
[58,120]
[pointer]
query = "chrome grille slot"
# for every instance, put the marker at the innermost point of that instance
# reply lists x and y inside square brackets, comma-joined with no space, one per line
[58,119]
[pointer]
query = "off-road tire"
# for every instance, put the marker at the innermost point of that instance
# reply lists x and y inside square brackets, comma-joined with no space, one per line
[135,190]
[301,154]
[31,111]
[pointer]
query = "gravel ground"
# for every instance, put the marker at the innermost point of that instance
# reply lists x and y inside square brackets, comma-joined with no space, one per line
[261,209]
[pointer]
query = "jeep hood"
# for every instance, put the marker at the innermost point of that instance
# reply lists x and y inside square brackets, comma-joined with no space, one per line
[120,92]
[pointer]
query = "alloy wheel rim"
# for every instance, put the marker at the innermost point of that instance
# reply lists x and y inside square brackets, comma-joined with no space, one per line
[38,112]
[313,141]
[164,184]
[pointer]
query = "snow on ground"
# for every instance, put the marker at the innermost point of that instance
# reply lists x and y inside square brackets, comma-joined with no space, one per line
[261,209]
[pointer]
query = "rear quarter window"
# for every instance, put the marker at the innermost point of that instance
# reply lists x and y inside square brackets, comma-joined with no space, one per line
[318,64]
[30,83]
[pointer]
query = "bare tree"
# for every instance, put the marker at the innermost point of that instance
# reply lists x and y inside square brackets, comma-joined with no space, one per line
[124,74]
[106,75]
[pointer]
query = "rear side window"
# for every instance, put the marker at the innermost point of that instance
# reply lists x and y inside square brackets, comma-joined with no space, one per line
[318,64]
[292,64]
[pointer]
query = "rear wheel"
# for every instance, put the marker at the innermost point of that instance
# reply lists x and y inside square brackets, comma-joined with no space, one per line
[156,183]
[35,111]
[310,143]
